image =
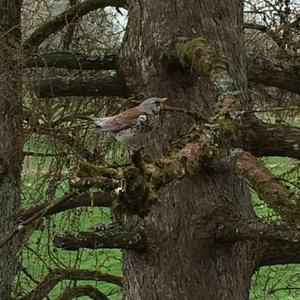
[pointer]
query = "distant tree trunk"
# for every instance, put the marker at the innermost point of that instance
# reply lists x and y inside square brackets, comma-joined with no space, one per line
[183,260]
[10,136]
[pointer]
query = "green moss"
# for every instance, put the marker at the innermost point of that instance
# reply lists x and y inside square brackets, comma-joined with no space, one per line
[138,196]
[229,132]
[188,51]
[198,54]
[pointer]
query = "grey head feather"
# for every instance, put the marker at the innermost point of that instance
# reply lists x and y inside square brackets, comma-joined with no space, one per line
[151,106]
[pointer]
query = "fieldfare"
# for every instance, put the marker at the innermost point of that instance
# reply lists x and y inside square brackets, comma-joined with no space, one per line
[130,125]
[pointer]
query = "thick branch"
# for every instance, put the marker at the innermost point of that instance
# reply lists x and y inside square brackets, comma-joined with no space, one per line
[61,20]
[273,139]
[270,71]
[84,290]
[280,243]
[78,86]
[72,61]
[57,275]
[111,237]
[268,186]
[97,199]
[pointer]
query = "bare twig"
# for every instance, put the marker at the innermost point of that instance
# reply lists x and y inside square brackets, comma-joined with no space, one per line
[60,21]
[57,275]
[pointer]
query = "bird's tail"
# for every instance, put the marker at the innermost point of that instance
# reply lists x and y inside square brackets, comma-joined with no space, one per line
[95,120]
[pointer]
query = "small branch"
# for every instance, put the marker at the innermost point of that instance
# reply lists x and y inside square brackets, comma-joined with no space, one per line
[26,272]
[78,86]
[259,27]
[268,186]
[195,115]
[106,237]
[71,61]
[63,136]
[41,154]
[68,16]
[79,291]
[280,243]
[57,275]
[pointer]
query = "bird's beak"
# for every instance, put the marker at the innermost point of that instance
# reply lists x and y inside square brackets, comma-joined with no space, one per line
[163,100]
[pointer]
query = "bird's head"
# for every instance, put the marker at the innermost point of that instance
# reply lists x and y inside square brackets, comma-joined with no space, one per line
[151,106]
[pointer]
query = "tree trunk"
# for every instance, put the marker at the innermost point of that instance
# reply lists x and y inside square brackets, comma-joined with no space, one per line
[10,136]
[183,260]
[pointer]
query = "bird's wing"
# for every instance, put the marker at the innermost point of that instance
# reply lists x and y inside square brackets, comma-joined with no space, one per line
[118,122]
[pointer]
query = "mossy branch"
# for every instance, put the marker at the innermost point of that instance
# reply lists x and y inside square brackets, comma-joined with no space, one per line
[86,169]
[268,186]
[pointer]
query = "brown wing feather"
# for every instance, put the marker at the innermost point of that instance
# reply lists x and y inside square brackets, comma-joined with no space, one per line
[121,121]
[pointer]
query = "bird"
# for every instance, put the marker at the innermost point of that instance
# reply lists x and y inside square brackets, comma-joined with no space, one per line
[130,125]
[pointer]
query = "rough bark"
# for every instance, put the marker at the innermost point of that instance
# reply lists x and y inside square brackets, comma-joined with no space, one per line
[274,72]
[179,227]
[10,136]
